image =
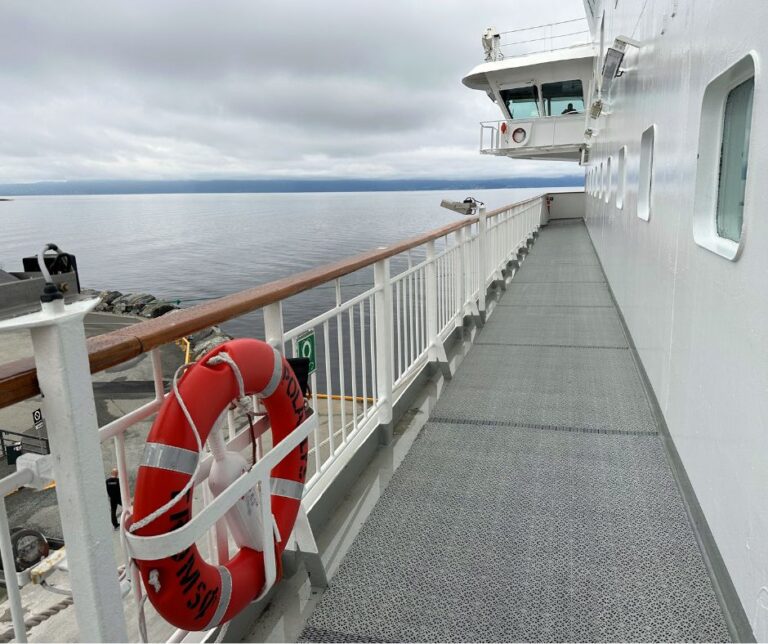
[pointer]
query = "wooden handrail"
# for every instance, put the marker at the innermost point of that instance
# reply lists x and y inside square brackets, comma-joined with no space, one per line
[18,379]
[498,211]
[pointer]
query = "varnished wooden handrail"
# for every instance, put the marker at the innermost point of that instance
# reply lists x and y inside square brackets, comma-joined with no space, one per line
[498,211]
[18,379]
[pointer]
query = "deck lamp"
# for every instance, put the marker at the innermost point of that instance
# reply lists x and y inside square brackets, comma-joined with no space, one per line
[469,206]
[614,56]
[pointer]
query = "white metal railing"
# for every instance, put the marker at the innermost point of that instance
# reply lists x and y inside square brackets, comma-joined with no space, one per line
[489,135]
[370,347]
[541,131]
[542,38]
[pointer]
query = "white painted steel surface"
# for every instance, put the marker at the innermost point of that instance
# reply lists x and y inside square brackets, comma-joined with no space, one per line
[390,333]
[61,359]
[551,137]
[698,319]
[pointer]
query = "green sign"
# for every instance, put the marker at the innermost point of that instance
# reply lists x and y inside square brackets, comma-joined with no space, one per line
[305,345]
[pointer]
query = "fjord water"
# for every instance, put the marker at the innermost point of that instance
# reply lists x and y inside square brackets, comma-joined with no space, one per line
[194,247]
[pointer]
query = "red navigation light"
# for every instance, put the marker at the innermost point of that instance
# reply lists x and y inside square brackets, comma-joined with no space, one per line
[518,135]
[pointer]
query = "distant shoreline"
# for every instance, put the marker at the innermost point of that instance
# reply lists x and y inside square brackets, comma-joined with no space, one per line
[109,187]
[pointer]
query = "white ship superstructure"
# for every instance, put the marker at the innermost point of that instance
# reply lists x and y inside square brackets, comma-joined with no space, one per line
[674,144]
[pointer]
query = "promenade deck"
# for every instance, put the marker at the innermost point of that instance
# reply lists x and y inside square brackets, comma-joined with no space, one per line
[537,503]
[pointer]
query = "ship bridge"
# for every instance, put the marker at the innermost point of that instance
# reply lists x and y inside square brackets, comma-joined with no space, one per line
[540,79]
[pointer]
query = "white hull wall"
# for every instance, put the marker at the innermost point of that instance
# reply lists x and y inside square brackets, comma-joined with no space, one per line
[700,322]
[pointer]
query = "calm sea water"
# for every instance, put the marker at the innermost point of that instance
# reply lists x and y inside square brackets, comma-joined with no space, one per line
[196,247]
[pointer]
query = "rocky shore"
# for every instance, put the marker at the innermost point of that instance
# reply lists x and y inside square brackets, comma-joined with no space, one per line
[148,306]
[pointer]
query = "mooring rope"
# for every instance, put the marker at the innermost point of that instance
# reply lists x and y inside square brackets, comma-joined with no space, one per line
[38,618]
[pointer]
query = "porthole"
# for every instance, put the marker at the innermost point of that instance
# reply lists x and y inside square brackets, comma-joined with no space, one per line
[645,178]
[722,175]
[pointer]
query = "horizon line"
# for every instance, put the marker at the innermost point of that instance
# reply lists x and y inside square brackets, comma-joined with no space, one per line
[279,185]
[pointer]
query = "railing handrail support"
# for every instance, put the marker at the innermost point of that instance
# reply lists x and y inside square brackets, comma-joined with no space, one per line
[61,360]
[273,326]
[482,258]
[430,271]
[384,345]
[461,273]
[9,563]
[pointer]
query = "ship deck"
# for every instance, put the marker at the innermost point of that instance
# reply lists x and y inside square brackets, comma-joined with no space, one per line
[537,503]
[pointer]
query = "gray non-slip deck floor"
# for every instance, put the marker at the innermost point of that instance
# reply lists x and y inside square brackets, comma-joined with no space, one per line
[537,503]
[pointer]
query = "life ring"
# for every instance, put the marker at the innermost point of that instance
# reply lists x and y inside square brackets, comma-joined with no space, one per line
[186,590]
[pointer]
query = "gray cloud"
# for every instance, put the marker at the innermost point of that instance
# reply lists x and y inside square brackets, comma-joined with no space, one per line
[179,89]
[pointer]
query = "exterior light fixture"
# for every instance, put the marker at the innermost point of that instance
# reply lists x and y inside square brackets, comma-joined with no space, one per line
[614,56]
[492,45]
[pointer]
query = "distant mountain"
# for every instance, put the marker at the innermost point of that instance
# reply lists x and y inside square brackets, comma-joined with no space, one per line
[120,187]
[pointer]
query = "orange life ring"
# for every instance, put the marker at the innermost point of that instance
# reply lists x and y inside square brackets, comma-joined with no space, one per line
[186,590]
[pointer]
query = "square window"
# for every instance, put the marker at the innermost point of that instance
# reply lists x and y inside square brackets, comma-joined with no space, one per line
[722,175]
[733,160]
[621,178]
[645,179]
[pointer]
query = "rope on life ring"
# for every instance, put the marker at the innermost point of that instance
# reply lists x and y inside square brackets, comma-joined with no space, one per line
[186,590]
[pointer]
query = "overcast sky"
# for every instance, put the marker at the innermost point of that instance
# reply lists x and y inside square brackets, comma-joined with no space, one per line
[178,89]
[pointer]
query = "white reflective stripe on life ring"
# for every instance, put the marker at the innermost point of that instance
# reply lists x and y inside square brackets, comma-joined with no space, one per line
[277,374]
[168,457]
[287,488]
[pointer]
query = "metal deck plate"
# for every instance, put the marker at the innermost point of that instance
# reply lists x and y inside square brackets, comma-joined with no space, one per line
[507,534]
[537,504]
[553,325]
[557,294]
[559,273]
[581,387]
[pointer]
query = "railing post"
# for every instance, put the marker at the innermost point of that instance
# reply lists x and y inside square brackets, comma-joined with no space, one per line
[61,358]
[273,326]
[461,280]
[431,300]
[384,346]
[11,584]
[482,258]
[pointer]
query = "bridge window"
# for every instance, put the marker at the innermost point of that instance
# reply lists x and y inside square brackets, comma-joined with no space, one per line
[522,102]
[564,97]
